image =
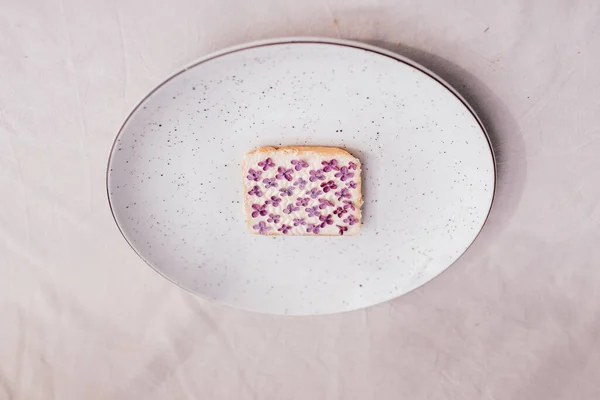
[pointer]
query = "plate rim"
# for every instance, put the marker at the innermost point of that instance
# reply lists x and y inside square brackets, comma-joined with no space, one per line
[310,40]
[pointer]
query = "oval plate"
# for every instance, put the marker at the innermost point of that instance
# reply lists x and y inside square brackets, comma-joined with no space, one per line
[174,174]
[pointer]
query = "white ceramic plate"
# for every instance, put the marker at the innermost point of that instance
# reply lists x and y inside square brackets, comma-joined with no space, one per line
[174,174]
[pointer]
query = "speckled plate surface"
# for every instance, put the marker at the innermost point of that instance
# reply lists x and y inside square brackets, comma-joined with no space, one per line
[174,175]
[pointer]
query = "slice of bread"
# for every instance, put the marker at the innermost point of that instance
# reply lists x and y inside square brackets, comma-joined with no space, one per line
[302,190]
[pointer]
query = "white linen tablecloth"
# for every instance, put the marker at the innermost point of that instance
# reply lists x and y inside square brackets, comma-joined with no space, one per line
[82,317]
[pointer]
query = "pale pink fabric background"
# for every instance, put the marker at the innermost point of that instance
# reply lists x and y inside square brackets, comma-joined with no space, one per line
[81,317]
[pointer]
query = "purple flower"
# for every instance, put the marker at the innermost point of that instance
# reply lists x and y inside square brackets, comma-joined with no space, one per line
[324,204]
[325,220]
[351,220]
[342,229]
[284,229]
[349,205]
[301,183]
[312,228]
[343,193]
[262,228]
[314,175]
[330,165]
[314,193]
[302,202]
[270,182]
[289,191]
[313,211]
[259,210]
[351,165]
[344,174]
[274,201]
[254,175]
[299,221]
[273,218]
[284,173]
[340,212]
[268,163]
[299,164]
[351,184]
[290,209]
[327,186]
[255,191]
